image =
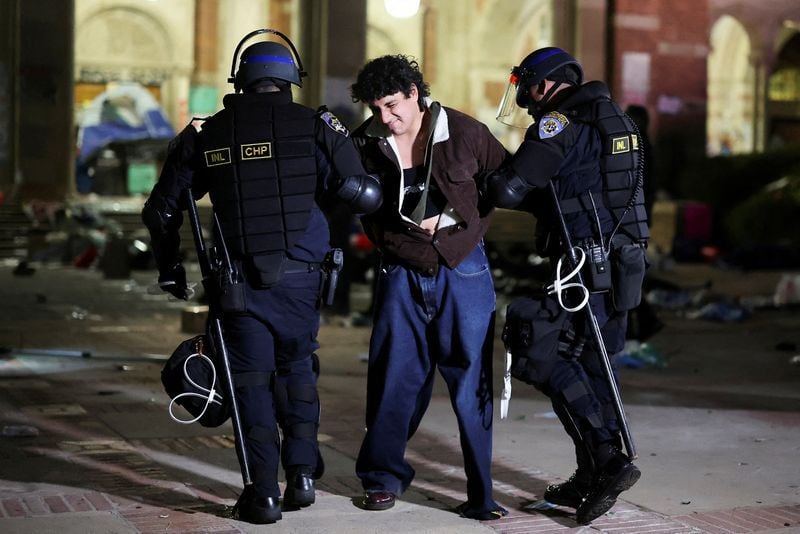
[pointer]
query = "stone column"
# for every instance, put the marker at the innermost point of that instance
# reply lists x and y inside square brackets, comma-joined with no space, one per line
[9,51]
[345,50]
[332,44]
[46,153]
[760,96]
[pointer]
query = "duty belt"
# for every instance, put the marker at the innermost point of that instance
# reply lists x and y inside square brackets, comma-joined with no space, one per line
[296,266]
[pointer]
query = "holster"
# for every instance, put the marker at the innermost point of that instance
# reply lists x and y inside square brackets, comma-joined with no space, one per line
[628,266]
[231,295]
[332,265]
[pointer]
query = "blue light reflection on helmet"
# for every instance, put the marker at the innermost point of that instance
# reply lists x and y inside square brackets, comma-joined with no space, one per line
[266,59]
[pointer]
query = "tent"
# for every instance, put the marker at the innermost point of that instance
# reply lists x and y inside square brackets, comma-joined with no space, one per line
[126,112]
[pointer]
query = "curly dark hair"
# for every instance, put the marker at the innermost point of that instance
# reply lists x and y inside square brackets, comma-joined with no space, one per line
[387,75]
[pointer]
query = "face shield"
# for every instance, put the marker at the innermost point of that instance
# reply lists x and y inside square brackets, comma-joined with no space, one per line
[509,112]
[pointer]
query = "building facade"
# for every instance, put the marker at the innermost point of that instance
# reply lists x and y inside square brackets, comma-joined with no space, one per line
[717,76]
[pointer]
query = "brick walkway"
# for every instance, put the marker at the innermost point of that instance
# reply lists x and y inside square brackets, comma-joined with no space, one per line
[78,463]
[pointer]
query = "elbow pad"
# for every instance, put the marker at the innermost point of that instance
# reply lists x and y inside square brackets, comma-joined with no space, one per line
[362,192]
[506,189]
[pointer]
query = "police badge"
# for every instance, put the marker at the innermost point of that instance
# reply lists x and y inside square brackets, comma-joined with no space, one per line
[334,123]
[552,124]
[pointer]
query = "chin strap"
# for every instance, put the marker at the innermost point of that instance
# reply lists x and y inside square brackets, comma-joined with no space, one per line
[535,109]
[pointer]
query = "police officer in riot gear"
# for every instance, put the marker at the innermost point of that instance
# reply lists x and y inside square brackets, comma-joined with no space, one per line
[585,148]
[266,163]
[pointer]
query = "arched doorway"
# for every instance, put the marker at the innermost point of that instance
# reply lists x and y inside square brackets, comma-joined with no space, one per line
[783,96]
[118,50]
[507,33]
[120,44]
[731,90]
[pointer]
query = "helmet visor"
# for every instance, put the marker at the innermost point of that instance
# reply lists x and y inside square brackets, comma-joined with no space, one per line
[509,112]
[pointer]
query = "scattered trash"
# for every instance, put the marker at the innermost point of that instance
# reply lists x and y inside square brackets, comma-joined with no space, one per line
[665,298]
[78,313]
[125,368]
[757,302]
[788,290]
[720,311]
[19,431]
[795,360]
[686,502]
[637,355]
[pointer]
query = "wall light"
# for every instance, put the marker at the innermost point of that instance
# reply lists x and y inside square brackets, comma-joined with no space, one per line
[401,9]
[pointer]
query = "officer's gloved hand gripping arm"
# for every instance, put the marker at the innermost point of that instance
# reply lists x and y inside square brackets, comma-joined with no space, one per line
[505,189]
[531,167]
[163,216]
[362,193]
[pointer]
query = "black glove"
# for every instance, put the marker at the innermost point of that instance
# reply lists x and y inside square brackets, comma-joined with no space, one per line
[173,282]
[362,192]
[505,189]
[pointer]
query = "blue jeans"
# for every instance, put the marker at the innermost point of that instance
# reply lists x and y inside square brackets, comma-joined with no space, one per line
[444,321]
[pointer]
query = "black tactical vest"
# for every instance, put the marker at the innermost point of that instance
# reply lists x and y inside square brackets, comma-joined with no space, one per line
[262,173]
[622,170]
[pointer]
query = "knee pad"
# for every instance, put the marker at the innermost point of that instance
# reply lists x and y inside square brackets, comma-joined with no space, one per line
[569,384]
[298,409]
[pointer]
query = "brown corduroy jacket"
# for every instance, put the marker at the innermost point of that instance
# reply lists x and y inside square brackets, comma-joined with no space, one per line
[460,148]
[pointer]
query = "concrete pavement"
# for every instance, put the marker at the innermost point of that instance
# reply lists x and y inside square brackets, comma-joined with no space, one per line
[87,445]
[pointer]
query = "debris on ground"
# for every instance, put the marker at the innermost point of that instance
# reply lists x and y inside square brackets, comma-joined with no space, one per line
[638,355]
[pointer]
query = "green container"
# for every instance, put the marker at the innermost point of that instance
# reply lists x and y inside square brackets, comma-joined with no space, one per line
[141,177]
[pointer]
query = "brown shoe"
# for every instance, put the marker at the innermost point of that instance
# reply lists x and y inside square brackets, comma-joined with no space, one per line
[378,500]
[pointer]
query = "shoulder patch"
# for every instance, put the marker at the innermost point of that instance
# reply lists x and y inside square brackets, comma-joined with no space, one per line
[552,124]
[334,123]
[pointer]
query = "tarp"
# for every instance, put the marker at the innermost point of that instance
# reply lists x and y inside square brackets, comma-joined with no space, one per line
[126,112]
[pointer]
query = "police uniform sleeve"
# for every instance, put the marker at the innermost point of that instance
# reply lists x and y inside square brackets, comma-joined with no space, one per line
[538,159]
[345,177]
[544,149]
[334,140]
[162,213]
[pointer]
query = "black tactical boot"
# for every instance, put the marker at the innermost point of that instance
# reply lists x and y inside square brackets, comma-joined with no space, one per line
[299,487]
[570,493]
[256,509]
[616,475]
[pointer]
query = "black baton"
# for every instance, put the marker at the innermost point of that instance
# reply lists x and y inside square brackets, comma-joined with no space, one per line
[596,334]
[217,335]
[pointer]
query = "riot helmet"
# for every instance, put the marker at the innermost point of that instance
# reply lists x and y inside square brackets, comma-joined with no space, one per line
[550,63]
[266,60]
